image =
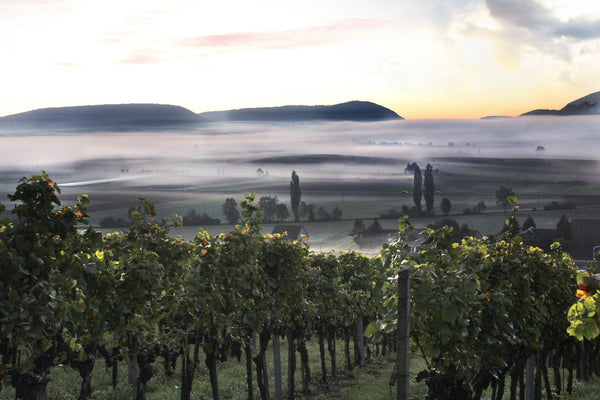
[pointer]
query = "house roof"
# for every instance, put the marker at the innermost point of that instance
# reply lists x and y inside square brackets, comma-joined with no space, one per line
[293,231]
[541,238]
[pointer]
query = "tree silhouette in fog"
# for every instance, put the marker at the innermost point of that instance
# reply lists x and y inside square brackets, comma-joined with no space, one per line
[272,209]
[295,195]
[446,206]
[230,210]
[429,188]
[529,223]
[502,195]
[418,188]
[564,232]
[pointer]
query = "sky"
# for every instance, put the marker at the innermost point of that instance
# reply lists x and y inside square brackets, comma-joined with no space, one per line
[420,58]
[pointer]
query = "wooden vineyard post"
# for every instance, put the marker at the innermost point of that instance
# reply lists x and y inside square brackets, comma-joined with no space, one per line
[361,340]
[132,370]
[403,333]
[581,372]
[277,367]
[530,378]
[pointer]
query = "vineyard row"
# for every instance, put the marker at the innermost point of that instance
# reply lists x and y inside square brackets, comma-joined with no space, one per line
[69,295]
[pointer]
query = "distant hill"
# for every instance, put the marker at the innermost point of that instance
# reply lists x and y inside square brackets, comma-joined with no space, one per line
[100,117]
[350,111]
[587,105]
[496,117]
[131,117]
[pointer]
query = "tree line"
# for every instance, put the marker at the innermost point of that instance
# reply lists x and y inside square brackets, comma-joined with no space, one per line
[273,211]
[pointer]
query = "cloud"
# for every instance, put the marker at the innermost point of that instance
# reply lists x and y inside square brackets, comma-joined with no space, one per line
[580,29]
[532,16]
[141,57]
[319,35]
[442,14]
[527,24]
[523,13]
[141,52]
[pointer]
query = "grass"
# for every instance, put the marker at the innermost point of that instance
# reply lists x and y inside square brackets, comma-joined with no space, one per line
[232,375]
[369,382]
[372,382]
[585,391]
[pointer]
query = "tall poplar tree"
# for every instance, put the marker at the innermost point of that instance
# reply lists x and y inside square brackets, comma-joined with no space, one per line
[429,188]
[418,188]
[295,194]
[564,232]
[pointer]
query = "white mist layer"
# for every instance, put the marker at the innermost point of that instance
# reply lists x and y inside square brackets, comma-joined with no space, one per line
[230,150]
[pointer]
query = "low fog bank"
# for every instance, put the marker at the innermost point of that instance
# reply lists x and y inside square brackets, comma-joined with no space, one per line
[236,150]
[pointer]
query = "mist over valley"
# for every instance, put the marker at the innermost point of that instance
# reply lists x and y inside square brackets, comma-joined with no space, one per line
[356,166]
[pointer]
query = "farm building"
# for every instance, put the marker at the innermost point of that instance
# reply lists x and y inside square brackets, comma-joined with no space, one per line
[537,237]
[586,236]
